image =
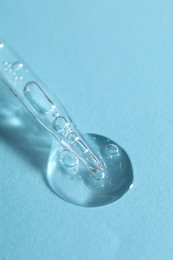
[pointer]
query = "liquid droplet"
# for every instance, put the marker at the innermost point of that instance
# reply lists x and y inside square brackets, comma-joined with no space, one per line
[88,188]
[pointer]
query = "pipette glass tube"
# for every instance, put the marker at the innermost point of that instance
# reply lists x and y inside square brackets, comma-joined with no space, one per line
[87,170]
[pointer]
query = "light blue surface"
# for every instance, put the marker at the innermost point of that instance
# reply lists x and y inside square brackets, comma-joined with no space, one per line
[110,63]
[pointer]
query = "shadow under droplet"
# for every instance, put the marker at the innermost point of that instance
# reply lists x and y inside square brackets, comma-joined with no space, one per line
[20,131]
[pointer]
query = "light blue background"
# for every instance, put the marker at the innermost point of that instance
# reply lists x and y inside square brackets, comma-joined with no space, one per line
[111,64]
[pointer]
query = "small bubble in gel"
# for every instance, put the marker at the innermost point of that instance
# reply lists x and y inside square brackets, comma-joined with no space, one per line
[112,150]
[17,66]
[6,65]
[68,159]
[16,78]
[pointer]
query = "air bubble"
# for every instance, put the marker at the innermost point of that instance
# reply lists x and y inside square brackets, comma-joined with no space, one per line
[60,123]
[67,130]
[68,159]
[38,98]
[16,78]
[17,66]
[112,150]
[6,65]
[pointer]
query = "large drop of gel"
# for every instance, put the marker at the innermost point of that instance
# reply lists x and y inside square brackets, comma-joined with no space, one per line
[71,180]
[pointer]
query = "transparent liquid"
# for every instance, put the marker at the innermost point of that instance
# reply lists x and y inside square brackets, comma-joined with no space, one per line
[87,170]
[74,182]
